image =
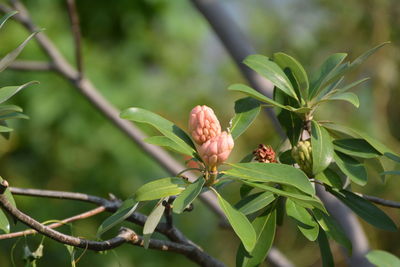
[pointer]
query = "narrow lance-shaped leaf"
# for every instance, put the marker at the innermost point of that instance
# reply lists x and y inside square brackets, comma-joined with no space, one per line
[352,168]
[305,222]
[160,188]
[188,195]
[239,222]
[272,172]
[246,110]
[152,221]
[166,127]
[165,142]
[4,223]
[365,209]
[285,61]
[271,71]
[356,147]
[332,229]
[125,210]
[9,91]
[265,226]
[9,58]
[322,148]
[330,64]
[254,202]
[325,249]
[6,17]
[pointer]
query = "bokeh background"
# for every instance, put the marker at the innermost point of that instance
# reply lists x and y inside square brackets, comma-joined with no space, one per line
[161,55]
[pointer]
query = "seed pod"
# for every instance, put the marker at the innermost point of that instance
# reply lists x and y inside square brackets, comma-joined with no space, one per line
[302,154]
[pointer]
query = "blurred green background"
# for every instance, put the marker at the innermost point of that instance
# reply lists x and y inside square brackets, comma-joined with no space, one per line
[161,55]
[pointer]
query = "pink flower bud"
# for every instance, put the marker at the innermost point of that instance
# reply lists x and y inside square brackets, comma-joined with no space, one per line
[216,150]
[203,124]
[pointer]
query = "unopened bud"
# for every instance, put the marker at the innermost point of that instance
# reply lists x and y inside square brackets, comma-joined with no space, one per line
[264,154]
[203,124]
[302,154]
[216,150]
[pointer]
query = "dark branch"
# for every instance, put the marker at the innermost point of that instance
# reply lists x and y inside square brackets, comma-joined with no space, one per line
[381,201]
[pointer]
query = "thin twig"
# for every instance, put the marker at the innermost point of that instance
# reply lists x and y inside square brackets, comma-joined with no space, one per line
[23,65]
[76,31]
[381,201]
[125,236]
[81,216]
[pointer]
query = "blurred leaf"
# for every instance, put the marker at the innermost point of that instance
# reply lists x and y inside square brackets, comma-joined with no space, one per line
[165,142]
[392,157]
[152,221]
[305,222]
[330,64]
[239,222]
[351,85]
[332,229]
[6,17]
[271,172]
[188,195]
[286,157]
[246,110]
[382,258]
[5,109]
[326,254]
[166,127]
[365,209]
[254,202]
[9,91]
[356,147]
[270,70]
[160,188]
[285,61]
[10,198]
[391,173]
[300,198]
[358,61]
[331,178]
[125,210]
[322,148]
[245,190]
[351,167]
[4,223]
[13,115]
[10,57]
[4,129]
[264,226]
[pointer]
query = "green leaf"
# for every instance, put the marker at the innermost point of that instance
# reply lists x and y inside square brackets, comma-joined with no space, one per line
[285,61]
[160,188]
[246,110]
[265,226]
[351,167]
[5,109]
[356,147]
[326,254]
[330,64]
[332,229]
[239,222]
[6,17]
[358,61]
[5,129]
[322,148]
[165,142]
[4,223]
[351,85]
[383,258]
[305,222]
[331,178]
[10,198]
[13,115]
[392,157]
[125,210]
[166,127]
[9,91]
[390,173]
[10,57]
[188,195]
[152,221]
[270,70]
[341,129]
[300,198]
[347,96]
[254,202]
[365,209]
[272,172]
[286,158]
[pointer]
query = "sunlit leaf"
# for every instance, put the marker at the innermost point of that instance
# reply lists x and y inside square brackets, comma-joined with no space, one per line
[382,258]
[254,202]
[6,17]
[239,222]
[152,221]
[165,142]
[9,91]
[271,172]
[160,188]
